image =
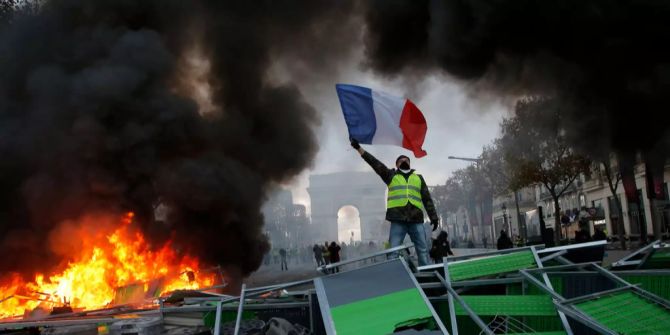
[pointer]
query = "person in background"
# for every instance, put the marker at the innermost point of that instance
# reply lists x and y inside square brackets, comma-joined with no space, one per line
[440,247]
[318,255]
[372,248]
[485,241]
[504,242]
[325,252]
[582,235]
[599,235]
[334,251]
[282,254]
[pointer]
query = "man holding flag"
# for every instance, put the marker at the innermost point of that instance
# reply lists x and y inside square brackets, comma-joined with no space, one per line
[377,118]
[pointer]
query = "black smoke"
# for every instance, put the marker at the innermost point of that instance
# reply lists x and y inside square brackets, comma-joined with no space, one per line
[95,117]
[607,62]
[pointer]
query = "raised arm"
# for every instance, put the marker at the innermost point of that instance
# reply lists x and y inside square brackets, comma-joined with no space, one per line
[384,172]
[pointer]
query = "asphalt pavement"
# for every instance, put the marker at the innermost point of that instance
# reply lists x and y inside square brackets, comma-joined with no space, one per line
[272,274]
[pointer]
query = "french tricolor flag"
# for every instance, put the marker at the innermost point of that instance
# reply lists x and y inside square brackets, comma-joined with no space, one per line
[375,117]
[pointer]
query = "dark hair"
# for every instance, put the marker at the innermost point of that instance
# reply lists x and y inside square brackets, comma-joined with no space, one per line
[399,157]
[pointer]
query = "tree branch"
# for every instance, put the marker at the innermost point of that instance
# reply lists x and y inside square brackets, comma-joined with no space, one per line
[568,185]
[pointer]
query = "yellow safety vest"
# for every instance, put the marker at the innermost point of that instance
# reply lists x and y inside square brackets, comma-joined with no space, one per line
[402,191]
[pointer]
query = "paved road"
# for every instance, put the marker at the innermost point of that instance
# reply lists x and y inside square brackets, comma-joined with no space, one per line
[272,274]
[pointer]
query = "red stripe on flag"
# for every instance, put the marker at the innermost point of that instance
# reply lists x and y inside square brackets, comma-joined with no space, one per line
[414,127]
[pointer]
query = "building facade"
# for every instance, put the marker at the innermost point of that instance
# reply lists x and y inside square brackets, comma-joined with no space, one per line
[590,198]
[286,223]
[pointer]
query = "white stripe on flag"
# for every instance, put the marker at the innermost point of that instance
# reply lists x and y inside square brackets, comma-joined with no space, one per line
[387,110]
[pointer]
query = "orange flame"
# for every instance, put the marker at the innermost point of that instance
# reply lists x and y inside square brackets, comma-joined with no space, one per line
[99,274]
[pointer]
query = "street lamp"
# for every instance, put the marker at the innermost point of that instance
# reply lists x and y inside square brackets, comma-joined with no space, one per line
[474,160]
[477,162]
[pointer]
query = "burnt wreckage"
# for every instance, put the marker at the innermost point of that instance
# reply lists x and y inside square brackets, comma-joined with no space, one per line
[529,290]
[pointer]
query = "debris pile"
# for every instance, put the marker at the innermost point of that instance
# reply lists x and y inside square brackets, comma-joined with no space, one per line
[112,266]
[529,290]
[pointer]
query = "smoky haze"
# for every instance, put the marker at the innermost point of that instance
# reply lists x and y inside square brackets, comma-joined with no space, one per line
[110,106]
[607,62]
[98,114]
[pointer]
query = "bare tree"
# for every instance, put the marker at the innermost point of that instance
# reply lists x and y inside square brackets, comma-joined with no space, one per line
[10,8]
[613,179]
[7,8]
[467,188]
[535,147]
[499,172]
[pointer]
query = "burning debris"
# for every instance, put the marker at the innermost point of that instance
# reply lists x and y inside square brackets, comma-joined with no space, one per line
[111,107]
[113,268]
[521,290]
[108,107]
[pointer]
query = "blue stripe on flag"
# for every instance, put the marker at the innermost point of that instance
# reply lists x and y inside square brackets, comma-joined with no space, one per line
[356,102]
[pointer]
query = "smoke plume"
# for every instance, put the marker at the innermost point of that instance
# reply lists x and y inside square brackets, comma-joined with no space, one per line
[605,61]
[100,112]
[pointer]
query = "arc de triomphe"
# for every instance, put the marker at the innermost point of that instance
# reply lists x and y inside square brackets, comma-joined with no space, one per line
[363,190]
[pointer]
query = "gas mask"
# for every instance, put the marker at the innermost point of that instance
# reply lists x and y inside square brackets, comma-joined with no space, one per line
[404,167]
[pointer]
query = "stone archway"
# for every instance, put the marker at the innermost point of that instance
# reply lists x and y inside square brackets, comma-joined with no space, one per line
[363,190]
[348,224]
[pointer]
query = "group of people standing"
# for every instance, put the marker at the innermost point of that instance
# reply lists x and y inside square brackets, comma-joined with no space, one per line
[326,253]
[319,254]
[582,235]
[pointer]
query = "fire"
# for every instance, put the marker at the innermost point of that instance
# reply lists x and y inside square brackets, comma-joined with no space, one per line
[113,269]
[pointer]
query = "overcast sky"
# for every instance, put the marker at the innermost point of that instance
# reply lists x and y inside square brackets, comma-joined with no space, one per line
[458,123]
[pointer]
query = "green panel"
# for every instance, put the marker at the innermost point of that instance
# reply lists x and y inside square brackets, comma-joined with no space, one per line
[480,267]
[627,313]
[380,315]
[512,305]
[442,309]
[515,288]
[543,323]
[226,316]
[560,332]
[556,283]
[465,323]
[467,326]
[658,260]
[656,284]
[548,324]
